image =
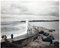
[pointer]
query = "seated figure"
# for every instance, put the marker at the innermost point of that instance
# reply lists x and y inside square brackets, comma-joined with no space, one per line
[4,37]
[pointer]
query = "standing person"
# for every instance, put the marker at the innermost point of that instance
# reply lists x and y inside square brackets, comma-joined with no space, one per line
[11,36]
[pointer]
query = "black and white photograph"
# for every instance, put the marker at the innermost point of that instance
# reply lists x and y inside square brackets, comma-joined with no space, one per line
[29,24]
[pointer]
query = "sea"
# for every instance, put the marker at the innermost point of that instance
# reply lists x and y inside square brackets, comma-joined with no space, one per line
[19,28]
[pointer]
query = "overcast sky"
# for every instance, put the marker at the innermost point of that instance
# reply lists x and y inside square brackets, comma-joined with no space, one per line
[35,7]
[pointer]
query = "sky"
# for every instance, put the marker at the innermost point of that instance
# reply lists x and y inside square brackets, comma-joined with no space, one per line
[31,7]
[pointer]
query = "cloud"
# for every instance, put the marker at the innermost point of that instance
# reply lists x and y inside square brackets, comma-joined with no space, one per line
[30,7]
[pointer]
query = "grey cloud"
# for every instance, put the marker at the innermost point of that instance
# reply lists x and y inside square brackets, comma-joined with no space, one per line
[19,9]
[15,9]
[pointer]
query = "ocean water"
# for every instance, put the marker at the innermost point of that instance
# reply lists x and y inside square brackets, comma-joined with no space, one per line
[13,27]
[19,28]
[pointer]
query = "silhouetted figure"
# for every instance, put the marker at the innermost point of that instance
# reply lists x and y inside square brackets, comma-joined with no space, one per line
[11,36]
[4,37]
[7,43]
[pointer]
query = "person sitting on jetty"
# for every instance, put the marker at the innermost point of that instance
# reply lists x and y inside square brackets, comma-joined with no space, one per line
[4,37]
